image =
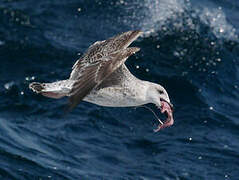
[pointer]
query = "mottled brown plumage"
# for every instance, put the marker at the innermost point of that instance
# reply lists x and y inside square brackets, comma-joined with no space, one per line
[98,63]
[101,77]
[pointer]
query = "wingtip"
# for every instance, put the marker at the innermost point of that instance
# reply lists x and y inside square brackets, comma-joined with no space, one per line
[139,32]
[128,37]
[134,49]
[136,33]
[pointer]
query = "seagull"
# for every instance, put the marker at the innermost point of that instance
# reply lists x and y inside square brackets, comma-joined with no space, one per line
[101,77]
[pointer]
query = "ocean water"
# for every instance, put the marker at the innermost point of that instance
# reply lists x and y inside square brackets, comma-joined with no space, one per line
[190,47]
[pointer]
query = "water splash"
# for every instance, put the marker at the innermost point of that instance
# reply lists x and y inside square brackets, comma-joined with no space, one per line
[216,19]
[154,16]
[158,14]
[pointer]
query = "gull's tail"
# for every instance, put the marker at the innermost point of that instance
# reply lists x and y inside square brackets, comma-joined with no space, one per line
[55,90]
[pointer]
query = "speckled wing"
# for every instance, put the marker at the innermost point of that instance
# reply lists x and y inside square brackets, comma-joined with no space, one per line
[95,72]
[102,49]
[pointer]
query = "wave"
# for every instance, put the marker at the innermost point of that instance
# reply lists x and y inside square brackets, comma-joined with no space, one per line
[192,40]
[166,16]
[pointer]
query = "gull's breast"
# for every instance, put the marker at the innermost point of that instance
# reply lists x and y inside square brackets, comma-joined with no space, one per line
[122,96]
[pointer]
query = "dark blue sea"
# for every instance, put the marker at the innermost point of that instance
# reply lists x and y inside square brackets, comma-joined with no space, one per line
[190,47]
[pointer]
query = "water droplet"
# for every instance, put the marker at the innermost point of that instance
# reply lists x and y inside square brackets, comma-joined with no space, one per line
[190,139]
[79,9]
[175,53]
[147,70]
[22,93]
[221,30]
[211,108]
[137,66]
[200,157]
[158,46]
[225,146]
[164,28]
[219,15]
[8,85]
[184,73]
[1,43]
[121,2]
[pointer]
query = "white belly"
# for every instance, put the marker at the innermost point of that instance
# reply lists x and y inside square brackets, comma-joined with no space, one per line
[116,97]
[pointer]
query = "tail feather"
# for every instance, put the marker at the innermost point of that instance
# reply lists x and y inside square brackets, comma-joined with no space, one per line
[54,90]
[36,87]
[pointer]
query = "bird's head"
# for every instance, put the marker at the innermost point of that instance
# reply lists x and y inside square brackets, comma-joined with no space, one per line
[157,95]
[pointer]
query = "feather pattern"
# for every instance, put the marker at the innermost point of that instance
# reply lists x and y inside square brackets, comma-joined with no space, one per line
[102,49]
[93,74]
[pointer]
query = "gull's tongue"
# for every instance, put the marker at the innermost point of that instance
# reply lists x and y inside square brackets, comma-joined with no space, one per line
[166,107]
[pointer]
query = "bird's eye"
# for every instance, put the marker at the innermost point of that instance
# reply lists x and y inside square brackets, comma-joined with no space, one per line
[160,91]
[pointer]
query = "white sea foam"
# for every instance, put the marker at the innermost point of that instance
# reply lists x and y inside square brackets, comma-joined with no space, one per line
[159,12]
[216,19]
[155,15]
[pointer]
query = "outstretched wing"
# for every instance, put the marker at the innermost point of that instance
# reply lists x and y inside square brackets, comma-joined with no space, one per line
[101,49]
[95,72]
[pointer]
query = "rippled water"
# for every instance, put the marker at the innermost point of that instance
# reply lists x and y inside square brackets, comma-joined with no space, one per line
[189,47]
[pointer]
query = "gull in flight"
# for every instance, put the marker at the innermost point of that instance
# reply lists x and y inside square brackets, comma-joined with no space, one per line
[101,77]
